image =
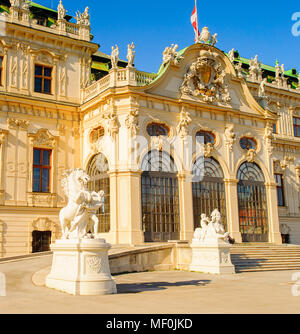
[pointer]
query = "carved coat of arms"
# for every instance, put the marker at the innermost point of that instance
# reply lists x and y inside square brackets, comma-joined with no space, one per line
[206,79]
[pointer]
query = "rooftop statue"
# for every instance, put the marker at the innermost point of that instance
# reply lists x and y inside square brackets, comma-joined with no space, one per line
[61,12]
[207,38]
[130,54]
[114,57]
[171,54]
[84,18]
[79,216]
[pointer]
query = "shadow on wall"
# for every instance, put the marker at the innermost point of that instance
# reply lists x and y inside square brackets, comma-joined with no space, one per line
[153,286]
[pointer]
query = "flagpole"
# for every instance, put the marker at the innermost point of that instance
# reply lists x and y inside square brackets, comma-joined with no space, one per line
[197,20]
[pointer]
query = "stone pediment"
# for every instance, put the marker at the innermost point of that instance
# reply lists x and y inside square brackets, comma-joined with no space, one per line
[204,74]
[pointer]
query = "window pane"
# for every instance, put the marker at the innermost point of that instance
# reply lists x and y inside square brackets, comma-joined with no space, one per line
[46,158]
[47,72]
[38,70]
[36,157]
[47,86]
[46,180]
[36,179]
[1,60]
[38,85]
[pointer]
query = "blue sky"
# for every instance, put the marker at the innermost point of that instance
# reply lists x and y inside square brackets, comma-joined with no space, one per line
[251,27]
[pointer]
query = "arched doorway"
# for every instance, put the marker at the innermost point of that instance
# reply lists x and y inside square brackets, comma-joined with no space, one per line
[208,189]
[252,200]
[160,197]
[97,170]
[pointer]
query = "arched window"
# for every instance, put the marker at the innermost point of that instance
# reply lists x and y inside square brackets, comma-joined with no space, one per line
[252,203]
[248,143]
[160,197]
[97,169]
[157,129]
[96,134]
[208,137]
[208,189]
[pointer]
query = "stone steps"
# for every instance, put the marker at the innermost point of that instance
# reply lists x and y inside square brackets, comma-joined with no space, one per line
[265,258]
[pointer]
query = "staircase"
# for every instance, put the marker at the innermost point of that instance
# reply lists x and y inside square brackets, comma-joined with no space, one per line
[265,257]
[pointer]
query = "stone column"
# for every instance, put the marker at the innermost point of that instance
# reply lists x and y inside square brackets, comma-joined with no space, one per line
[129,213]
[273,216]
[232,209]
[186,206]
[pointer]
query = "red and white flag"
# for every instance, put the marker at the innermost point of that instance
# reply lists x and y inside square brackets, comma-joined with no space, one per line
[194,21]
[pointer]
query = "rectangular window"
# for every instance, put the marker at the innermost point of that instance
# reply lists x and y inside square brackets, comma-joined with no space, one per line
[41,170]
[296,123]
[280,192]
[1,70]
[274,128]
[42,79]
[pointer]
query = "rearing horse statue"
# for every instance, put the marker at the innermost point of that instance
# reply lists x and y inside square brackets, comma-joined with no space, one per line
[82,206]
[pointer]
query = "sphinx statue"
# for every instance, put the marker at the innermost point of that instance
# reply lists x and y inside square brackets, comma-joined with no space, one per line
[211,230]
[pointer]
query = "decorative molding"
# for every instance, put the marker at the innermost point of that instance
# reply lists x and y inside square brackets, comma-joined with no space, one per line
[43,138]
[21,124]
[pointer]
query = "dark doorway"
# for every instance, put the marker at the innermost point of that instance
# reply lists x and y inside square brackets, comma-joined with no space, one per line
[41,241]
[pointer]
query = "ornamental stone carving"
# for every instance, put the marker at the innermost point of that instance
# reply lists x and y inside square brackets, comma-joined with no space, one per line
[255,71]
[170,54]
[84,18]
[250,155]
[268,137]
[184,121]
[112,123]
[208,150]
[131,121]
[205,79]
[230,136]
[43,138]
[207,38]
[14,123]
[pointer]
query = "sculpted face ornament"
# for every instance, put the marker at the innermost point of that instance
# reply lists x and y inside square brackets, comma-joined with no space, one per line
[206,79]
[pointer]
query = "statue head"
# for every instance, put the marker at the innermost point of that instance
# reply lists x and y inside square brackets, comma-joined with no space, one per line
[216,216]
[74,178]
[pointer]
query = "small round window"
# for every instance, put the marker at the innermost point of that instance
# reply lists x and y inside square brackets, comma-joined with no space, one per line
[248,143]
[208,137]
[156,130]
[96,134]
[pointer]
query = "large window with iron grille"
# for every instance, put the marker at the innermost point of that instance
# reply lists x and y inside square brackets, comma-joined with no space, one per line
[296,124]
[280,190]
[41,170]
[208,189]
[252,201]
[160,197]
[42,79]
[98,171]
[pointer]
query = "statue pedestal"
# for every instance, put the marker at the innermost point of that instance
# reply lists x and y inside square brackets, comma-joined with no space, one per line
[211,256]
[81,267]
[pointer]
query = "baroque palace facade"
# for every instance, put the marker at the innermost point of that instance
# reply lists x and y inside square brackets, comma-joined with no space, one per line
[209,130]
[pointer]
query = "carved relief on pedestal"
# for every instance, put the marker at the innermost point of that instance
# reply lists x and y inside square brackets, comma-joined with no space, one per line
[206,79]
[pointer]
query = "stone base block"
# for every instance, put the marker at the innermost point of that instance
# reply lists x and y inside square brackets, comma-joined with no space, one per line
[81,267]
[213,258]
